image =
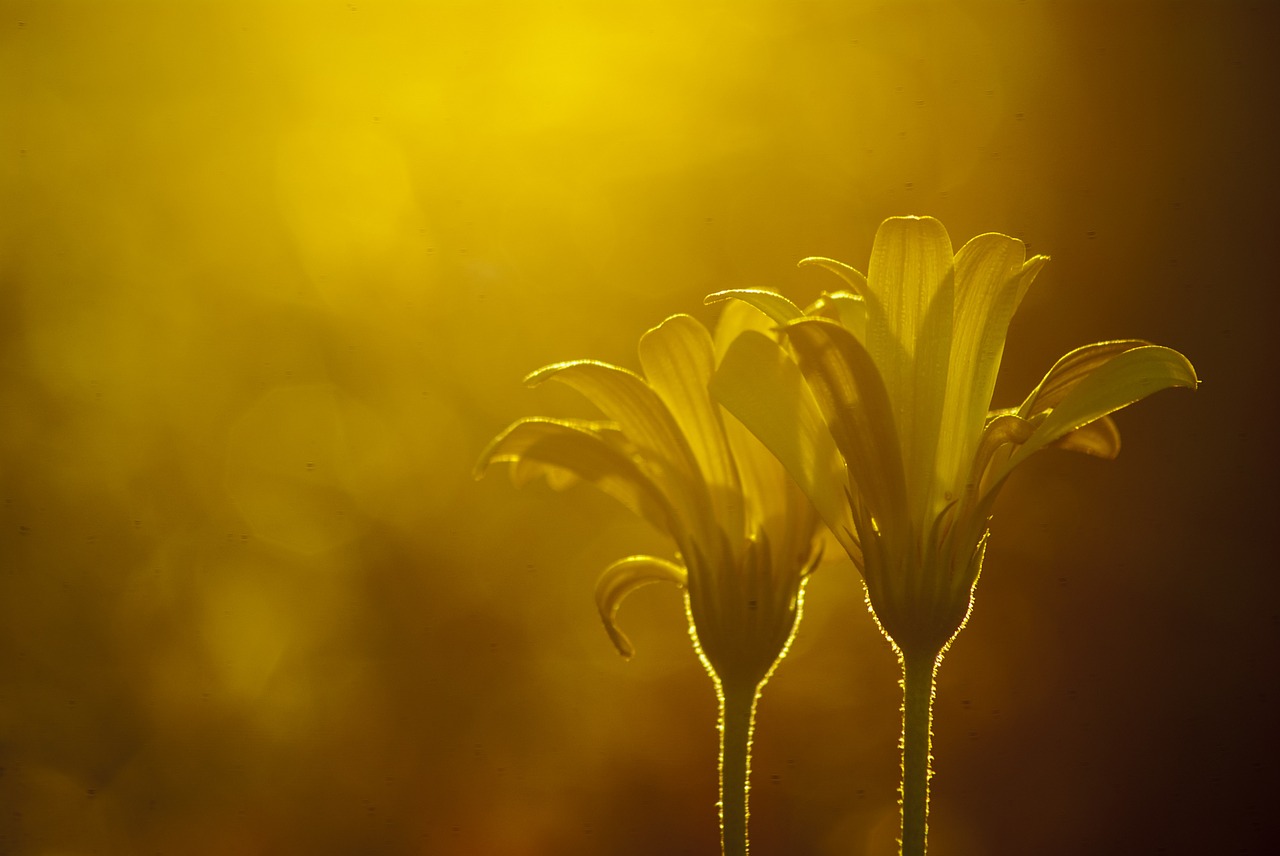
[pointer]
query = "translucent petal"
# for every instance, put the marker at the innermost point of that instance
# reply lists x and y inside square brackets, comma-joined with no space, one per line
[856,309]
[623,577]
[911,276]
[736,318]
[987,272]
[759,384]
[764,481]
[643,417]
[853,400]
[1070,370]
[845,307]
[1125,378]
[678,359]
[766,487]
[1030,268]
[1100,438]
[555,447]
[1003,429]
[851,311]
[770,303]
[625,398]
[850,275]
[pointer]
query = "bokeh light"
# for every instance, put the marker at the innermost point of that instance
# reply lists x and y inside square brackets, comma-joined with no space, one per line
[271,273]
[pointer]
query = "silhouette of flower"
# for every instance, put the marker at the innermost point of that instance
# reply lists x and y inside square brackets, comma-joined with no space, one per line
[745,535]
[901,368]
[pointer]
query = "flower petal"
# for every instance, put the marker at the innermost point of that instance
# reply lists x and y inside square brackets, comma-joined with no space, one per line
[678,359]
[1100,438]
[644,418]
[989,274]
[555,447]
[625,576]
[850,275]
[1072,368]
[759,384]
[1003,430]
[855,404]
[736,318]
[845,307]
[1117,383]
[774,503]
[911,275]
[852,312]
[770,303]
[1005,434]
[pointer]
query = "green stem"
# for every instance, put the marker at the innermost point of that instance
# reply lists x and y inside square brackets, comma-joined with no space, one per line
[918,673]
[737,717]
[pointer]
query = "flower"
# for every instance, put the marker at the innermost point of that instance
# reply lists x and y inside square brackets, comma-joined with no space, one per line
[745,535]
[901,370]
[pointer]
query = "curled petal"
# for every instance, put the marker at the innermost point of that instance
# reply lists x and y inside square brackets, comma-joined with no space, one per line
[1002,430]
[852,277]
[770,303]
[565,449]
[625,398]
[1100,438]
[1119,382]
[1070,370]
[645,419]
[1030,268]
[625,576]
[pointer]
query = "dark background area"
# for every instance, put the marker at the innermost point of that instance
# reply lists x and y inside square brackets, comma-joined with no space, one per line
[270,275]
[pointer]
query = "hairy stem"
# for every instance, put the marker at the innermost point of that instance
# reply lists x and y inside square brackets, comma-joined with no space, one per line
[918,673]
[737,717]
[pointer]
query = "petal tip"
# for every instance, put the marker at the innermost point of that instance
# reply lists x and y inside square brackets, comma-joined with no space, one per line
[488,456]
[623,577]
[537,376]
[620,642]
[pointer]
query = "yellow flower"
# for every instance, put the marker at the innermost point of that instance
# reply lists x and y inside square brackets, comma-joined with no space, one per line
[745,535]
[901,370]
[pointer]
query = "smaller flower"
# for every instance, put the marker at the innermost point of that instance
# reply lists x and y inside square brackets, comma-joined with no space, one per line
[745,536]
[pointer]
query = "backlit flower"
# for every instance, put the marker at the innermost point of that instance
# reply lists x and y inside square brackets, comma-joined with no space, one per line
[901,368]
[745,536]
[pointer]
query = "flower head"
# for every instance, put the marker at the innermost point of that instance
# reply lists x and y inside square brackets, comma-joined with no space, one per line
[901,368]
[744,534]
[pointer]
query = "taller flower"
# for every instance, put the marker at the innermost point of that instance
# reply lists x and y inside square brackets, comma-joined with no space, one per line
[745,535]
[902,367]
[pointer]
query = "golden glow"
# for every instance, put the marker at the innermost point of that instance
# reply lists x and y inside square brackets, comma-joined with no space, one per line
[238,239]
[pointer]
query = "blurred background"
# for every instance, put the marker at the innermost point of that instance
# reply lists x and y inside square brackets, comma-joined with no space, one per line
[271,274]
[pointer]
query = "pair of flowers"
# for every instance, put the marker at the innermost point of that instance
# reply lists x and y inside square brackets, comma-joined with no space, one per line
[866,416]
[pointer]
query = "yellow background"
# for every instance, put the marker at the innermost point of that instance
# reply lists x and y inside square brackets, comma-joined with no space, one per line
[270,274]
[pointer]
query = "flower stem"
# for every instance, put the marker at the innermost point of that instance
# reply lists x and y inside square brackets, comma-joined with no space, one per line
[737,718]
[918,674]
